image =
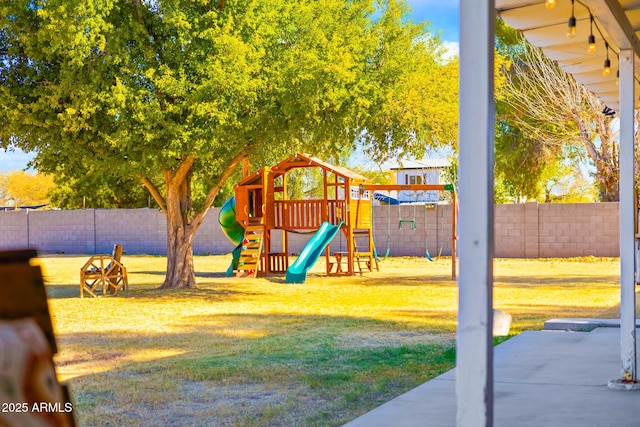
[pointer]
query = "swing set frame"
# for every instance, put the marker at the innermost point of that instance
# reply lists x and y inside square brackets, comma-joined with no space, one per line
[427,187]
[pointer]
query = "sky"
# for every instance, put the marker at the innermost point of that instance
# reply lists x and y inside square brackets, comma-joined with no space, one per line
[442,14]
[16,160]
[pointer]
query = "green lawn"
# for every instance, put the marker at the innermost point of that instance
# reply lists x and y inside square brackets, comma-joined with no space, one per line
[260,352]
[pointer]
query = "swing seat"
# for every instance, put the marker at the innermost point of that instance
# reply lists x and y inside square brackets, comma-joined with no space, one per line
[407,221]
[430,258]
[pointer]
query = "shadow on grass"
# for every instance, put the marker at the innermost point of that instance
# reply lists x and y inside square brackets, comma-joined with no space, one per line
[151,273]
[62,291]
[344,367]
[219,294]
[399,280]
[212,275]
[208,274]
[330,369]
[561,281]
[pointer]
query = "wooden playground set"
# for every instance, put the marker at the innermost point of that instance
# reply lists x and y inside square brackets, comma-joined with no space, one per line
[260,217]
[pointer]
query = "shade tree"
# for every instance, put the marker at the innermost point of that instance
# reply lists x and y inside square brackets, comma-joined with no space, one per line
[175,94]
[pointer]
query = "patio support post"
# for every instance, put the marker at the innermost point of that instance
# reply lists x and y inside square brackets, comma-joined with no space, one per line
[627,226]
[474,339]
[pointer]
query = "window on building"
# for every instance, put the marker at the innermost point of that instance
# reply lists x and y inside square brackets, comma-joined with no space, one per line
[415,180]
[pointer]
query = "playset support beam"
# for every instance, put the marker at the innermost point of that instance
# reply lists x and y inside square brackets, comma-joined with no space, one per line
[409,187]
[430,187]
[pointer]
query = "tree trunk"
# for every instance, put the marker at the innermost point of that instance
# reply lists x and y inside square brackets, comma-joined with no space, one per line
[182,222]
[180,233]
[607,163]
[180,271]
[607,178]
[604,157]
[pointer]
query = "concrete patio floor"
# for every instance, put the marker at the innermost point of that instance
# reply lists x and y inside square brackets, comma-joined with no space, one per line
[541,379]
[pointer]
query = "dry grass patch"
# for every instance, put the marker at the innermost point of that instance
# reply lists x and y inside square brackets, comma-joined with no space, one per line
[261,352]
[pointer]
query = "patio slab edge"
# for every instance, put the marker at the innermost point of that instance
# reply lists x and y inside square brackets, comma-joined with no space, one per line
[581,324]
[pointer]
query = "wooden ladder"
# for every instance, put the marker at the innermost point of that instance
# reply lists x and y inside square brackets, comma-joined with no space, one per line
[367,256]
[251,252]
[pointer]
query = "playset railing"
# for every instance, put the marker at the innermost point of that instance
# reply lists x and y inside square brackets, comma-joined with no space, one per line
[337,211]
[306,214]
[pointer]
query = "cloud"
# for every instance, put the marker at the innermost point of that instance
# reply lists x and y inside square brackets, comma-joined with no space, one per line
[14,160]
[453,49]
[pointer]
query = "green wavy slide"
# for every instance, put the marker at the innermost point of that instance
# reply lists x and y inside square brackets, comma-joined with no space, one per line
[232,229]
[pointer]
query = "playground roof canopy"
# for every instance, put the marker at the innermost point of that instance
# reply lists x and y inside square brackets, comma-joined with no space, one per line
[304,161]
[298,160]
[616,23]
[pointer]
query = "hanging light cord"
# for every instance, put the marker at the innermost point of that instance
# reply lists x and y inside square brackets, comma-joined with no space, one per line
[594,23]
[572,24]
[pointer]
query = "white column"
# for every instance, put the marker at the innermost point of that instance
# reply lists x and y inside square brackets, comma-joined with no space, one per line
[627,219]
[474,340]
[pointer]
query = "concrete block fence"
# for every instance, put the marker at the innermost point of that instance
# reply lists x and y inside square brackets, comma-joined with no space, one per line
[90,231]
[529,230]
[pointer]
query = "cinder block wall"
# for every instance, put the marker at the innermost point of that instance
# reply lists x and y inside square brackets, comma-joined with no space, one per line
[578,230]
[139,231]
[510,230]
[62,231]
[13,230]
[88,231]
[210,239]
[527,230]
[388,235]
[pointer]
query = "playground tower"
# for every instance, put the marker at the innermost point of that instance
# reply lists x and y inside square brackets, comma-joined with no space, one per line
[263,209]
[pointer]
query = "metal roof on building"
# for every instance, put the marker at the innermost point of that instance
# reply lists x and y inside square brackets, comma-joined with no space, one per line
[421,164]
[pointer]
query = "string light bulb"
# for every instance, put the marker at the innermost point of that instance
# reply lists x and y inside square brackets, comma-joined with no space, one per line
[550,4]
[592,39]
[607,62]
[572,21]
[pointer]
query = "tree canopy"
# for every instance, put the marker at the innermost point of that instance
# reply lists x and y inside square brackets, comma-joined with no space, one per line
[20,188]
[175,93]
[97,189]
[551,117]
[522,161]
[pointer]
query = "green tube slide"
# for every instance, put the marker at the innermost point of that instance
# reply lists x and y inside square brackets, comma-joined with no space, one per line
[232,229]
[227,220]
[297,272]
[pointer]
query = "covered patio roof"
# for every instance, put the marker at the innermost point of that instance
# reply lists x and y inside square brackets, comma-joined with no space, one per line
[616,23]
